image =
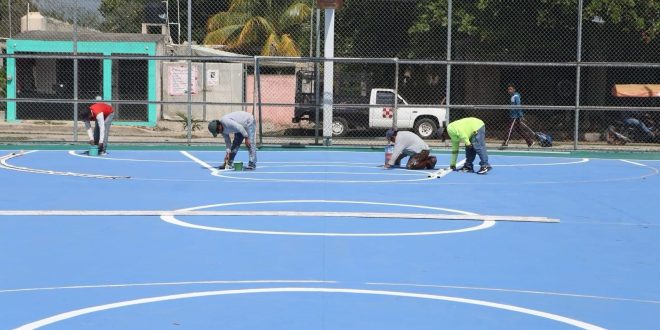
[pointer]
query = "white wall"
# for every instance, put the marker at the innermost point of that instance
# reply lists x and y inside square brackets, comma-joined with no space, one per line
[229,88]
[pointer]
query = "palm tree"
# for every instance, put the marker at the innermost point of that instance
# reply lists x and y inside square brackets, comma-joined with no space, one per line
[265,27]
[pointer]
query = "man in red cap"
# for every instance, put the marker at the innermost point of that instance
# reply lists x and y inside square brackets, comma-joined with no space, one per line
[103,114]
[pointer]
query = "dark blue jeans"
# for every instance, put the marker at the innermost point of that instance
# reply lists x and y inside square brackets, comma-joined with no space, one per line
[238,140]
[478,141]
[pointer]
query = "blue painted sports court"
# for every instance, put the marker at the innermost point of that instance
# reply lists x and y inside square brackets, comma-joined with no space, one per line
[327,239]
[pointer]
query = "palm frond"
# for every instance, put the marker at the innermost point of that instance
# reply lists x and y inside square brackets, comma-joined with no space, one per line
[224,36]
[222,19]
[270,46]
[288,46]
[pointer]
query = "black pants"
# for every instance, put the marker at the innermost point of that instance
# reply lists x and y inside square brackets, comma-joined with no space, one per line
[521,128]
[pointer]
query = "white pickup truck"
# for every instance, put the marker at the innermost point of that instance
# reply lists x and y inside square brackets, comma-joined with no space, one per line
[423,121]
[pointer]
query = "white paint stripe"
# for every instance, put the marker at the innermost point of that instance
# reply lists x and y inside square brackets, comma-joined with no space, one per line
[253,178]
[174,221]
[93,309]
[655,170]
[74,153]
[419,173]
[177,222]
[5,165]
[634,163]
[200,162]
[424,216]
[583,160]
[104,286]
[442,172]
[546,293]
[528,152]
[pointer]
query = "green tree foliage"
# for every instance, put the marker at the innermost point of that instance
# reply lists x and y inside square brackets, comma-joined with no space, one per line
[65,12]
[265,27]
[128,15]
[501,22]
[640,16]
[374,28]
[122,15]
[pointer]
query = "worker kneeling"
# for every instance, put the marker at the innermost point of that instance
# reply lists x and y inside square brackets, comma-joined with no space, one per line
[409,144]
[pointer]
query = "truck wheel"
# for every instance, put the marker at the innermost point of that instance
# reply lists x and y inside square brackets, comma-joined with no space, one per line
[426,128]
[339,126]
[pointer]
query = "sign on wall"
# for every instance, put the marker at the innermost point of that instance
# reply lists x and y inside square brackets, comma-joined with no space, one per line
[212,77]
[178,79]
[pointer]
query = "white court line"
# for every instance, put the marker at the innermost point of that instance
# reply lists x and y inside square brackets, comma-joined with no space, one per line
[173,220]
[583,160]
[534,292]
[512,308]
[74,153]
[7,166]
[331,172]
[200,162]
[634,163]
[320,214]
[442,172]
[422,174]
[545,293]
[655,170]
[128,285]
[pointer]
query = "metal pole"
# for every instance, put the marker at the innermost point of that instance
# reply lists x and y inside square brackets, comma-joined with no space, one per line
[9,12]
[75,73]
[448,78]
[576,133]
[204,91]
[178,20]
[311,30]
[396,93]
[317,74]
[257,93]
[189,119]
[328,74]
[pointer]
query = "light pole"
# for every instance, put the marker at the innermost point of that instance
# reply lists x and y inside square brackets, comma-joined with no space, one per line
[328,66]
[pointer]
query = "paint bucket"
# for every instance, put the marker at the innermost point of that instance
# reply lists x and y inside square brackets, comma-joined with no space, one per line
[388,152]
[94,151]
[238,166]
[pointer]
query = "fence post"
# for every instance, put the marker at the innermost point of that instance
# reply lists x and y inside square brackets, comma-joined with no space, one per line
[448,78]
[257,95]
[576,132]
[396,94]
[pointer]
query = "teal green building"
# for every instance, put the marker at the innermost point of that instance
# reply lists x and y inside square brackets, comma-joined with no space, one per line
[48,76]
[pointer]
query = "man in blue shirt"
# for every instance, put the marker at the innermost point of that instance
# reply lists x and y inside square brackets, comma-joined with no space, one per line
[516,114]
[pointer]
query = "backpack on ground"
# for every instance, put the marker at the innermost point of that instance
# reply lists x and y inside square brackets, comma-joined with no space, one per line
[545,140]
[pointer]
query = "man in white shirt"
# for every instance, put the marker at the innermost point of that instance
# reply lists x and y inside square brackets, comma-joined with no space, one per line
[409,144]
[242,125]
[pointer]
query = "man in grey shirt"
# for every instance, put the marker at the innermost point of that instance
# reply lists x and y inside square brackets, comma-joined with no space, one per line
[242,125]
[409,144]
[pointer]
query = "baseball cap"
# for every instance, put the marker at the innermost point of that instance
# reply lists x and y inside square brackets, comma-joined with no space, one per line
[213,127]
[389,134]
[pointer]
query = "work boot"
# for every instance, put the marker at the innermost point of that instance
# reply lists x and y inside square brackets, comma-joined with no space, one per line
[484,169]
[467,169]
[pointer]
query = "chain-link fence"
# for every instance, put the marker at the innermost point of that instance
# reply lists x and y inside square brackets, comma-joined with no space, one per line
[585,73]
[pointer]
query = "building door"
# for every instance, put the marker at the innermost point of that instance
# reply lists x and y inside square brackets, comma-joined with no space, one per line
[130,82]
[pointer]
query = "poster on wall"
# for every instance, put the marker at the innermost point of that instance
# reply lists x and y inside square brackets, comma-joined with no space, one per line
[178,79]
[212,78]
